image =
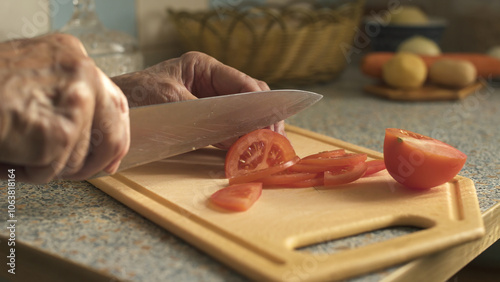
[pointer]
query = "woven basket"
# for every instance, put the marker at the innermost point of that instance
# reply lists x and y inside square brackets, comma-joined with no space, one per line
[293,44]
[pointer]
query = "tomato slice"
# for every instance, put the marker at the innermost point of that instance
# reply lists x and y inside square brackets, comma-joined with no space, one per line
[259,174]
[257,151]
[344,175]
[343,160]
[418,161]
[308,168]
[239,197]
[284,178]
[374,166]
[326,154]
[313,182]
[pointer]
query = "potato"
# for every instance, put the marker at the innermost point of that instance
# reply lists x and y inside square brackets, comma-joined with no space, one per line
[419,45]
[452,73]
[405,71]
[409,15]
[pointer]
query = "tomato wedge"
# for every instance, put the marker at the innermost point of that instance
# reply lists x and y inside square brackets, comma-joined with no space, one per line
[418,161]
[239,197]
[344,175]
[258,150]
[374,166]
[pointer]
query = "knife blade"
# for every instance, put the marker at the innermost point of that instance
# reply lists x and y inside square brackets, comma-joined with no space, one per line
[164,130]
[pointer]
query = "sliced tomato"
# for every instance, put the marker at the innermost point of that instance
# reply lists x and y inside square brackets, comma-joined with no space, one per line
[343,160]
[344,175]
[313,182]
[239,197]
[308,168]
[284,178]
[259,174]
[418,161]
[326,154]
[374,166]
[257,151]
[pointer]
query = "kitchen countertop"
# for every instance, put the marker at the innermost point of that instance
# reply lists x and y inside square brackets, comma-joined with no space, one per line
[74,226]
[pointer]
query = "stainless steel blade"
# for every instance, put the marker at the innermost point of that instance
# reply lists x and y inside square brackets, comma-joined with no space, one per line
[164,130]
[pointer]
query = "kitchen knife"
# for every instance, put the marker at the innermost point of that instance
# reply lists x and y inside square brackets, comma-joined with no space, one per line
[165,130]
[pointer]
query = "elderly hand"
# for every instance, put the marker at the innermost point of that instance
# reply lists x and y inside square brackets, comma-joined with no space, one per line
[60,116]
[193,75]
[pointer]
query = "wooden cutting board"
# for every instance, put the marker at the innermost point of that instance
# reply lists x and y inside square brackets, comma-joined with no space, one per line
[262,242]
[428,92]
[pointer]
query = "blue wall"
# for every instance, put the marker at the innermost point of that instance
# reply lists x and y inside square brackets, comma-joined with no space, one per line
[114,14]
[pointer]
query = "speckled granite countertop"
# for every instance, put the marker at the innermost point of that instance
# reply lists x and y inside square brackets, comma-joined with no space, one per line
[78,222]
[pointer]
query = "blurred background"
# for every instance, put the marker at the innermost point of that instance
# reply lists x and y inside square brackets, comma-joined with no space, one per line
[471,26]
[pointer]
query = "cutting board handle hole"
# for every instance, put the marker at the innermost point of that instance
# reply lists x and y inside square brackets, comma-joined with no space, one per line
[358,240]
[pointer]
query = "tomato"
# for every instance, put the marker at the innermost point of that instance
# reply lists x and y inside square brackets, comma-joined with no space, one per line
[344,175]
[256,151]
[308,168]
[318,181]
[284,178]
[346,159]
[238,197]
[418,161]
[326,154]
[374,166]
[327,160]
[259,174]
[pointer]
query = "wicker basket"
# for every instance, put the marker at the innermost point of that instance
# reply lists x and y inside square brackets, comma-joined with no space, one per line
[293,44]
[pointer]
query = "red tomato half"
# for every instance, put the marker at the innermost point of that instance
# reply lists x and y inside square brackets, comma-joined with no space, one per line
[238,197]
[344,175]
[256,151]
[418,161]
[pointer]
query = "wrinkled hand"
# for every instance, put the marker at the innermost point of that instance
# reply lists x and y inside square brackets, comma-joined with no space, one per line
[60,116]
[191,76]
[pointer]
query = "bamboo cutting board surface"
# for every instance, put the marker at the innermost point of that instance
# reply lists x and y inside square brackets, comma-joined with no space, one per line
[262,242]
